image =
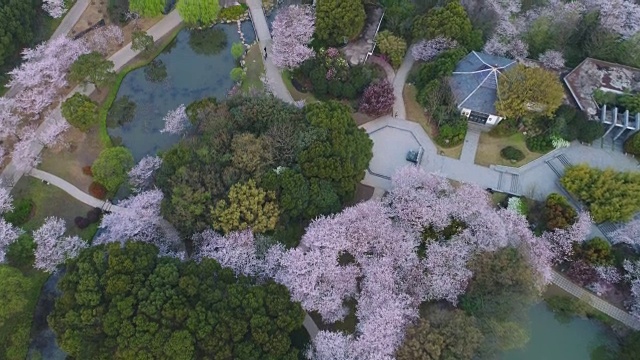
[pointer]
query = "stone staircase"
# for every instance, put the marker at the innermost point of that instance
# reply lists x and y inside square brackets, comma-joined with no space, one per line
[509,183]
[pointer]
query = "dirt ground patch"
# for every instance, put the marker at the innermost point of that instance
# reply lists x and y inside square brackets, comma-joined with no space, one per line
[416,113]
[361,118]
[489,150]
[67,162]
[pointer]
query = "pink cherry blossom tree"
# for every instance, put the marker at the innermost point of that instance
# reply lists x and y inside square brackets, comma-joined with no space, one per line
[176,121]
[102,39]
[141,176]
[427,50]
[235,250]
[42,73]
[55,8]
[552,59]
[447,272]
[562,240]
[628,234]
[26,154]
[51,134]
[292,31]
[9,120]
[633,277]
[52,248]
[8,232]
[137,218]
[619,16]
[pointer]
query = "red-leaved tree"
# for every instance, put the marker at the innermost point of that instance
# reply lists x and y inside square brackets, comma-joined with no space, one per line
[377,99]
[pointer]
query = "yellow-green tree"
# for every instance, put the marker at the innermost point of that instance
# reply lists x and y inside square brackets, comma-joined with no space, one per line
[610,195]
[248,206]
[393,46]
[527,90]
[198,12]
[147,8]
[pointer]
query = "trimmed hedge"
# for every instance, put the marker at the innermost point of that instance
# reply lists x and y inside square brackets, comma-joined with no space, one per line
[97,190]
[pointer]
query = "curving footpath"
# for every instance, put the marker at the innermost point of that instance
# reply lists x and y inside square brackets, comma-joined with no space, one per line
[594,301]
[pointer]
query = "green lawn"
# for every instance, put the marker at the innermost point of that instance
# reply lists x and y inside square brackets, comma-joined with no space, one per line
[51,201]
[295,94]
[489,147]
[255,70]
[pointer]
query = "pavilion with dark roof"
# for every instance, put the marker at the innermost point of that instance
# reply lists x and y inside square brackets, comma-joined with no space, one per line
[474,85]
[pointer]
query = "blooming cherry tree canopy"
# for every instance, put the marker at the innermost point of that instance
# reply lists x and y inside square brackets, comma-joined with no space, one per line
[55,8]
[142,174]
[176,121]
[293,29]
[52,248]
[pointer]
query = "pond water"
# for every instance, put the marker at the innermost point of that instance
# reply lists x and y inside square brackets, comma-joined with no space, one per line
[552,339]
[191,68]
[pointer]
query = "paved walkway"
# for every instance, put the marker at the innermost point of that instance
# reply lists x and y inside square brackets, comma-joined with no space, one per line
[470,145]
[274,77]
[595,302]
[398,85]
[74,191]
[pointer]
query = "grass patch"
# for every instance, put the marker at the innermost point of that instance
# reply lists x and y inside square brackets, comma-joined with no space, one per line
[139,61]
[497,198]
[48,201]
[489,148]
[295,94]
[255,69]
[416,113]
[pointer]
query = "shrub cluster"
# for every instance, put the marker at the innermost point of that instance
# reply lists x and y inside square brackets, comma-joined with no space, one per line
[596,251]
[539,143]
[505,128]
[511,153]
[558,213]
[632,144]
[97,190]
[377,99]
[328,75]
[93,216]
[452,133]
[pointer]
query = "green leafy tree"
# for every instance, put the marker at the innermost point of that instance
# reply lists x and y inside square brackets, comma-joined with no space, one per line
[18,297]
[398,16]
[237,50]
[450,21]
[609,195]
[393,46]
[501,290]
[630,347]
[147,8]
[93,67]
[338,21]
[111,167]
[16,26]
[128,303]
[442,334]
[248,206]
[596,251]
[80,111]
[199,12]
[141,41]
[340,153]
[250,154]
[528,91]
